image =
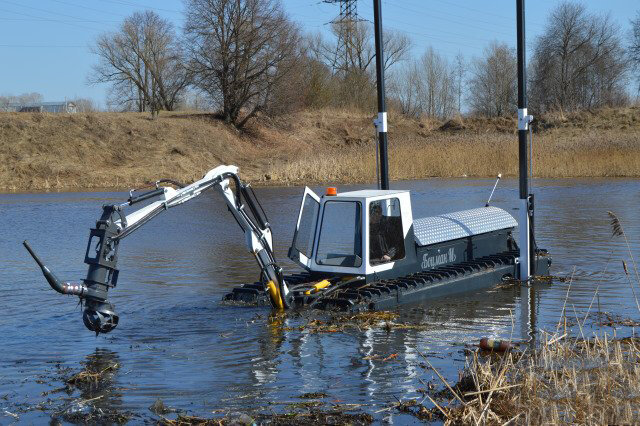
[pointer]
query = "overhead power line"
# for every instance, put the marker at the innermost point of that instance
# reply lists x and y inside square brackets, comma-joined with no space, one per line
[65,22]
[47,46]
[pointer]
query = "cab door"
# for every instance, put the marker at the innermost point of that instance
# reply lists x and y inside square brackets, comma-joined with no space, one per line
[304,236]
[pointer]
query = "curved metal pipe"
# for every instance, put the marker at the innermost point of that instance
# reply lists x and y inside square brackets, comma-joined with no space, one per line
[54,282]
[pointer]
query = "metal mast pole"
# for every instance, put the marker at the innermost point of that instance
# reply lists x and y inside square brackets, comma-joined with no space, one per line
[523,125]
[381,122]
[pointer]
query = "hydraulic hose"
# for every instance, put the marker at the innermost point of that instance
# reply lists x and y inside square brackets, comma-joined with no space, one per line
[173,182]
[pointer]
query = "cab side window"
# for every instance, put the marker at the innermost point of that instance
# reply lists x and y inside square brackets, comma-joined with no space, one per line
[386,239]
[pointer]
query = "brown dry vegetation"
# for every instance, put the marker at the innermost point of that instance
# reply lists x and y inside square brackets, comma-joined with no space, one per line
[120,150]
[565,380]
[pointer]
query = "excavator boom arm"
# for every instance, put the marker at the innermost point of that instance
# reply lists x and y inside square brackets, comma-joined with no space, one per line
[113,226]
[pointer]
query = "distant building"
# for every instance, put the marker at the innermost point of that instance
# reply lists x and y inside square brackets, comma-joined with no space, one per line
[53,107]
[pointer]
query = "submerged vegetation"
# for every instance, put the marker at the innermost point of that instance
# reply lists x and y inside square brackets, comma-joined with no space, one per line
[125,150]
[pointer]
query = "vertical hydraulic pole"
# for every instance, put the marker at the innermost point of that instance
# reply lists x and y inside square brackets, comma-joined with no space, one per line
[381,122]
[523,126]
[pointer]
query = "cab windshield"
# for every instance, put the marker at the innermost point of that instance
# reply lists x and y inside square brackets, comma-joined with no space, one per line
[340,241]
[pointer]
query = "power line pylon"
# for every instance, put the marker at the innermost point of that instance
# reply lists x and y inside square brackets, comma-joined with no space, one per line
[345,25]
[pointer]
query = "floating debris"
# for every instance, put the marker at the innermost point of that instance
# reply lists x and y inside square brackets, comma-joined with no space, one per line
[487,344]
[8,413]
[334,416]
[159,408]
[341,323]
[88,377]
[81,411]
[313,395]
[418,410]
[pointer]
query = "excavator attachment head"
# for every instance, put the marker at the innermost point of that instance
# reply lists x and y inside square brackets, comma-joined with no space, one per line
[100,317]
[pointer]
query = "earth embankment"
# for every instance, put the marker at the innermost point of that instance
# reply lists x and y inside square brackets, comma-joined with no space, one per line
[121,150]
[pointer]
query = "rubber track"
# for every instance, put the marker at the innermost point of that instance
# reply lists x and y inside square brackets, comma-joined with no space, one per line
[361,296]
[364,296]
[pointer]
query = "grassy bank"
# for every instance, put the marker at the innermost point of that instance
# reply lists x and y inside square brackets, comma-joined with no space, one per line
[119,150]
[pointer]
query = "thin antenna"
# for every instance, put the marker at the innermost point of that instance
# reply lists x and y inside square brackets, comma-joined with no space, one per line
[493,190]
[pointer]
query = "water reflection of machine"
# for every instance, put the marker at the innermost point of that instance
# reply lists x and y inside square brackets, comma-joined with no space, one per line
[354,362]
[362,250]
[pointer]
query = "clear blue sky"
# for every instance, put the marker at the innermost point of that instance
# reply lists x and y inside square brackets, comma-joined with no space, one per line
[44,44]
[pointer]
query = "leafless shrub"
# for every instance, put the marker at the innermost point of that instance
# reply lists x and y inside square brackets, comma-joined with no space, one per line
[25,98]
[85,105]
[194,100]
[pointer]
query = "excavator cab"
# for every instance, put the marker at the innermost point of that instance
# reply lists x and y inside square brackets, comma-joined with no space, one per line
[359,233]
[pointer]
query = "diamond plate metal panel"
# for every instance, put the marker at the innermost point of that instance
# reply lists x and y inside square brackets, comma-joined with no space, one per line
[451,226]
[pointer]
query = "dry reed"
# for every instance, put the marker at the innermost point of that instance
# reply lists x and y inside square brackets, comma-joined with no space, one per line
[120,150]
[563,381]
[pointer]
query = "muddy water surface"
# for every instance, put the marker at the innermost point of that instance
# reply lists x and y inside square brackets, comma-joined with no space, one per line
[178,343]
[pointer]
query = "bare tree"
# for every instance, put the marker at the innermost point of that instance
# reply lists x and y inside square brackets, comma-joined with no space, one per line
[405,87]
[426,87]
[351,57]
[578,62]
[238,51]
[493,85]
[358,52]
[437,88]
[143,62]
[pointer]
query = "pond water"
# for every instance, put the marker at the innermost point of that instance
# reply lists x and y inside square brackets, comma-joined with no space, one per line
[178,343]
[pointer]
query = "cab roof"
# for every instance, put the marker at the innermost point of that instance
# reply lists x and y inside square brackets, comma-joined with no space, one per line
[367,193]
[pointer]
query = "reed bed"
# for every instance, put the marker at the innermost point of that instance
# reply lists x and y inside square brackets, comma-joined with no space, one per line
[564,381]
[565,377]
[123,150]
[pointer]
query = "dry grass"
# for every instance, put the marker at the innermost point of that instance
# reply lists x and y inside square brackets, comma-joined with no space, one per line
[566,381]
[119,150]
[606,146]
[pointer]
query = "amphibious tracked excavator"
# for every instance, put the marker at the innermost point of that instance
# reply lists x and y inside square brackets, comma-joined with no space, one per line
[360,250]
